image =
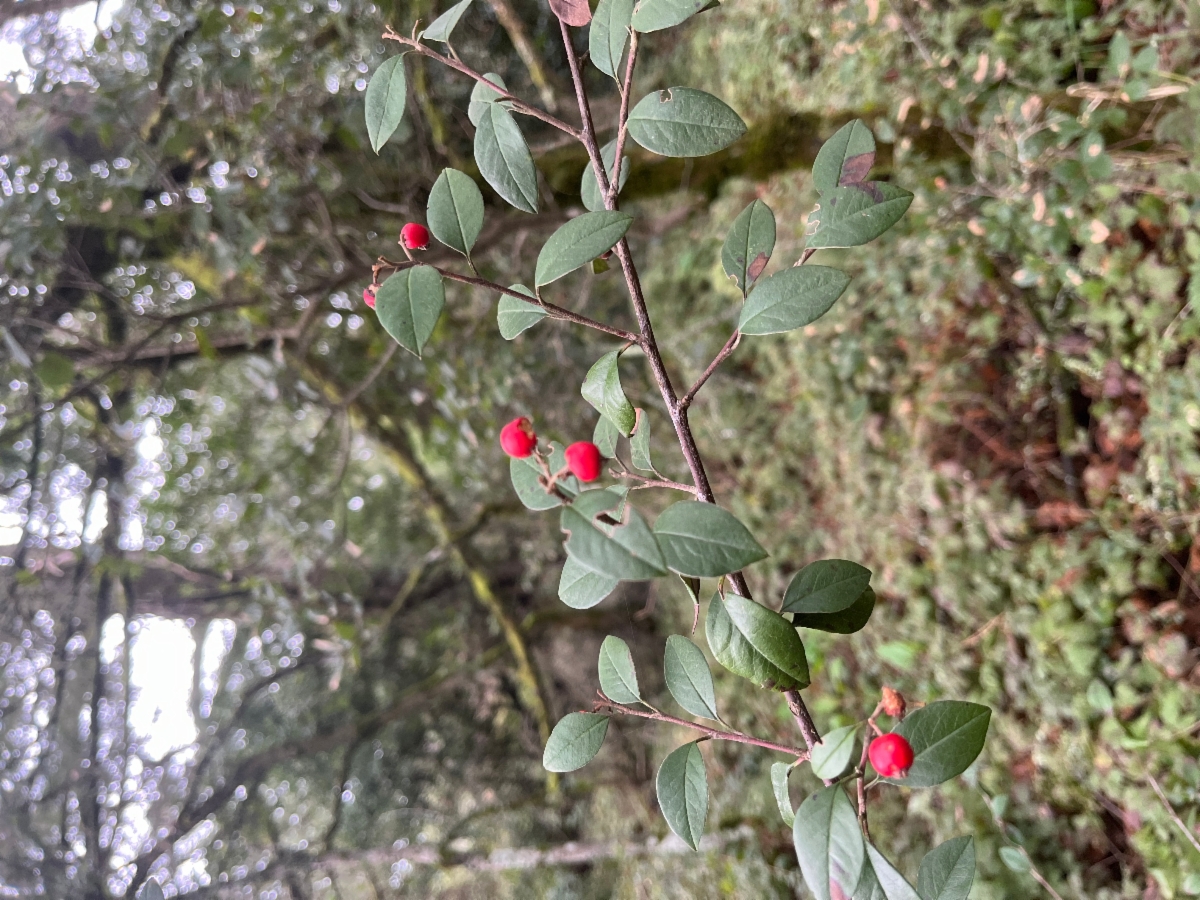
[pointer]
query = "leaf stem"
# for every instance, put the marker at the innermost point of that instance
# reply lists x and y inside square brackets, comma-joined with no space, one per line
[622,123]
[554,311]
[678,413]
[730,345]
[517,103]
[604,704]
[645,482]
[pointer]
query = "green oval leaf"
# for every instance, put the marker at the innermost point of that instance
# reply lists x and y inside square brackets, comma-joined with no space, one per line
[655,15]
[589,188]
[409,304]
[688,677]
[618,677]
[387,95]
[602,389]
[514,316]
[684,122]
[829,844]
[524,475]
[847,621]
[575,741]
[783,797]
[627,552]
[54,370]
[756,643]
[946,737]
[948,871]
[846,158]
[581,588]
[889,884]
[441,27]
[578,242]
[609,36]
[793,298]
[703,540]
[639,444]
[830,757]
[682,787]
[749,244]
[853,215]
[504,159]
[1015,860]
[826,586]
[605,436]
[455,210]
[483,96]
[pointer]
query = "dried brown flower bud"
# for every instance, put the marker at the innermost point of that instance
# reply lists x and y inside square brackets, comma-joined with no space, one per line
[893,703]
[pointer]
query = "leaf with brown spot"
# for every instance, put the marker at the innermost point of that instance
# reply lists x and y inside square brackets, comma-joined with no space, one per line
[755,268]
[856,168]
[576,13]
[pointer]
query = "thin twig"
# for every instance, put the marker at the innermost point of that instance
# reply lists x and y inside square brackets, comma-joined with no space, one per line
[645,482]
[554,311]
[716,734]
[730,345]
[518,104]
[1187,832]
[678,414]
[622,122]
[1033,871]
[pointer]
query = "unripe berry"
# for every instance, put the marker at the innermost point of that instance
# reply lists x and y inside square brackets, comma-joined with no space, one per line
[584,460]
[891,755]
[369,297]
[517,438]
[414,236]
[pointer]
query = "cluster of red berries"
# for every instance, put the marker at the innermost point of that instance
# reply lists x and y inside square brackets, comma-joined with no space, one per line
[519,440]
[891,755]
[413,236]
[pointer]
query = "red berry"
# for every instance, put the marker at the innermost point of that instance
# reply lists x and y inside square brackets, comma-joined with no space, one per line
[584,460]
[369,297]
[517,438]
[891,755]
[414,236]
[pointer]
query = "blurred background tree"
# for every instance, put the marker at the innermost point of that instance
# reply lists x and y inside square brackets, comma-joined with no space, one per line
[273,623]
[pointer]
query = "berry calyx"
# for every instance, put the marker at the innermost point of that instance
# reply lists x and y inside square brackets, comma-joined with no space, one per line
[369,296]
[584,460]
[414,236]
[891,755]
[518,439]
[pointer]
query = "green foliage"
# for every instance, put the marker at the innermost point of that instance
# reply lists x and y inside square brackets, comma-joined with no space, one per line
[830,757]
[577,243]
[618,678]
[455,213]
[581,588]
[701,539]
[409,305]
[441,27]
[948,870]
[791,299]
[627,552]
[749,244]
[387,97]
[589,187]
[946,737]
[783,797]
[602,388]
[682,787]
[829,844]
[756,643]
[684,122]
[504,159]
[688,677]
[514,316]
[826,586]
[607,39]
[576,739]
